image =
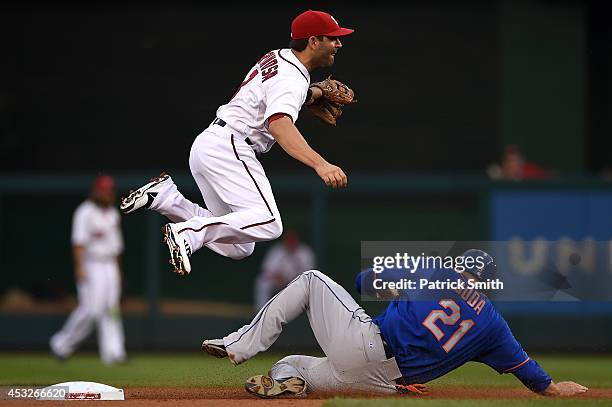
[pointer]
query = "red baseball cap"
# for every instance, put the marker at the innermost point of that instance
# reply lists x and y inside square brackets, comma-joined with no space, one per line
[104,183]
[312,23]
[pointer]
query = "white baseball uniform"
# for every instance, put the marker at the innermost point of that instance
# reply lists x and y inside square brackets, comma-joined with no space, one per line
[241,209]
[98,231]
[281,265]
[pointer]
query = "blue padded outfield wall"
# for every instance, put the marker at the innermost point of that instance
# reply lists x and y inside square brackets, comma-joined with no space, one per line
[551,215]
[572,230]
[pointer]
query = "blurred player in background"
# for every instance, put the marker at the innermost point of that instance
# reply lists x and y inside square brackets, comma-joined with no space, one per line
[281,264]
[97,244]
[421,336]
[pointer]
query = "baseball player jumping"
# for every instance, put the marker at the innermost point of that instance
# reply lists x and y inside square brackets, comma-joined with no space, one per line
[421,336]
[240,206]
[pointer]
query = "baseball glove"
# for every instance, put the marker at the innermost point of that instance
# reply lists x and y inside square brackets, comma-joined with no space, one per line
[335,95]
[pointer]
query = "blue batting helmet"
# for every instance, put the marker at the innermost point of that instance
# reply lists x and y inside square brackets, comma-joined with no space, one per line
[484,265]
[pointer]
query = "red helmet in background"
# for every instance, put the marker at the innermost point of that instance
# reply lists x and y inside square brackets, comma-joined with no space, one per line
[104,183]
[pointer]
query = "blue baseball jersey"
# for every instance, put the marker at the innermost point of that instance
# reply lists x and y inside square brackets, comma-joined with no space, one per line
[434,331]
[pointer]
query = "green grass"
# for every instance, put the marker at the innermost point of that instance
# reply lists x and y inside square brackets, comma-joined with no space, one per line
[157,369]
[188,370]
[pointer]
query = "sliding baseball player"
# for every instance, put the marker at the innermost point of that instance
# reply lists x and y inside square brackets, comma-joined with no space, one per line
[421,336]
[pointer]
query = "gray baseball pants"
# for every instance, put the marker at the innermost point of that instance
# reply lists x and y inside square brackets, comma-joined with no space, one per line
[355,358]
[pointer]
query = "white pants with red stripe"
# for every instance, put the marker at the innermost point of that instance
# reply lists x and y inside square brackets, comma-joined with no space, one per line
[241,206]
[99,296]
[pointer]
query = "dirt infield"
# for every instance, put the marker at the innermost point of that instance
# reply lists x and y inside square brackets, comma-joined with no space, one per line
[229,394]
[233,397]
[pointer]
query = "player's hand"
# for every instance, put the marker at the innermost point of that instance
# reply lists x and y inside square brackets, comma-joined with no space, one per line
[332,175]
[416,388]
[564,389]
[316,93]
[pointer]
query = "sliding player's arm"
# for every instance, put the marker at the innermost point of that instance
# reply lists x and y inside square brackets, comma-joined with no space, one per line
[508,356]
[537,380]
[383,285]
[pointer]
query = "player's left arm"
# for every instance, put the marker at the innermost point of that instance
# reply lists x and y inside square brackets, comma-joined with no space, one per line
[537,380]
[314,93]
[508,356]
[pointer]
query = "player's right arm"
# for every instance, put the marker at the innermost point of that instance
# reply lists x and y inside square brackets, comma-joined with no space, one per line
[77,256]
[284,96]
[365,285]
[80,236]
[291,140]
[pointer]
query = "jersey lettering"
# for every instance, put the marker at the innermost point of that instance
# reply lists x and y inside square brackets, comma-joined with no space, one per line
[268,65]
[256,100]
[266,58]
[472,298]
[449,320]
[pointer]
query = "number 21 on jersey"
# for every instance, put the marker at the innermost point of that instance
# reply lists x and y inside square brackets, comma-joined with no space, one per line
[449,320]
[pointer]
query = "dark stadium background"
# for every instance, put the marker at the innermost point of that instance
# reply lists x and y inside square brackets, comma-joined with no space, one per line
[442,85]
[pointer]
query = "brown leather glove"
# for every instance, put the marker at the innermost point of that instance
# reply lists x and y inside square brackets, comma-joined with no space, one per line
[326,111]
[335,95]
